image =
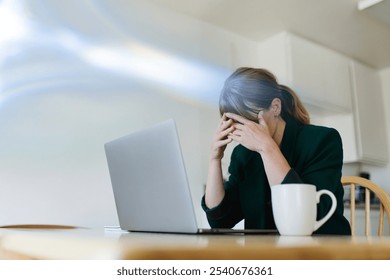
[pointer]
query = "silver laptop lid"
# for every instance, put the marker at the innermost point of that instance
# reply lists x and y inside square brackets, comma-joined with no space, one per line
[149,181]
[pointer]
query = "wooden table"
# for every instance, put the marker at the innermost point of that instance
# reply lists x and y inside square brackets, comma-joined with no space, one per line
[92,244]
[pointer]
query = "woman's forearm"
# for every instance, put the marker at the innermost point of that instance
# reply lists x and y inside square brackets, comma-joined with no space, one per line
[275,164]
[215,191]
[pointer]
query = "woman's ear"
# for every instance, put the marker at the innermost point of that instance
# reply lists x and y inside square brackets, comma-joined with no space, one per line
[276,107]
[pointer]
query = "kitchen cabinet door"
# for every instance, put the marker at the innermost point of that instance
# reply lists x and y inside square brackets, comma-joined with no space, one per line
[320,75]
[370,128]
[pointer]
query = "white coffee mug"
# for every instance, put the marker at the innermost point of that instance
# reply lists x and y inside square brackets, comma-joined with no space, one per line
[294,208]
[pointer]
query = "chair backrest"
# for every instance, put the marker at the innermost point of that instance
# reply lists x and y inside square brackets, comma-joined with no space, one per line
[384,205]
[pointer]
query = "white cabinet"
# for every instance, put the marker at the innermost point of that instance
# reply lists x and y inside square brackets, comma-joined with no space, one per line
[319,75]
[369,116]
[363,131]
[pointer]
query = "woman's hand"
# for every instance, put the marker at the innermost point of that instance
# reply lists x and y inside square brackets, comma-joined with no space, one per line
[221,139]
[250,134]
[256,137]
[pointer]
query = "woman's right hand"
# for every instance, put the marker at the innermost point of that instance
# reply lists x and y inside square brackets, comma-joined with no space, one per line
[220,139]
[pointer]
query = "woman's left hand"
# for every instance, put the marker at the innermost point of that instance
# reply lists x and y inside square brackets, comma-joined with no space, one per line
[248,133]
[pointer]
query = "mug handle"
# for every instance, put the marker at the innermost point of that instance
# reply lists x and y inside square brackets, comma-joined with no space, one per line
[330,212]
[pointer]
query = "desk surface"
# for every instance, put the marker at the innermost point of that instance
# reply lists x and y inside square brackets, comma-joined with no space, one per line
[100,244]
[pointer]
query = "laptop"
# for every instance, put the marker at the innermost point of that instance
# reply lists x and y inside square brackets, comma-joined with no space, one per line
[150,183]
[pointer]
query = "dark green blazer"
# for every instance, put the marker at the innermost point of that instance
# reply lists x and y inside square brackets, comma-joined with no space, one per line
[315,155]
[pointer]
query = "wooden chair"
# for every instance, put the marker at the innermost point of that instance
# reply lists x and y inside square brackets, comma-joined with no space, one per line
[384,198]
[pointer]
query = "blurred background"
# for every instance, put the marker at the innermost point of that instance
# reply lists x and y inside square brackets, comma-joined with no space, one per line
[76,74]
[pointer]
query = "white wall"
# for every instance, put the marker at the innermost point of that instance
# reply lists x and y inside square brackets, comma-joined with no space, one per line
[68,86]
[52,158]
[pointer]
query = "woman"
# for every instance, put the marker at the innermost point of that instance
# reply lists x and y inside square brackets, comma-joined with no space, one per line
[277,145]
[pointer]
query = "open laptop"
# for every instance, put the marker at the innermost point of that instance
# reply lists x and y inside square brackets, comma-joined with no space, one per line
[150,183]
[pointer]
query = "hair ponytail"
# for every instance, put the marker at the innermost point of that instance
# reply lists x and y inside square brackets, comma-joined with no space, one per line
[293,106]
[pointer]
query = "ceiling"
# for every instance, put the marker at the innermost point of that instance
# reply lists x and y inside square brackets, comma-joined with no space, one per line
[337,24]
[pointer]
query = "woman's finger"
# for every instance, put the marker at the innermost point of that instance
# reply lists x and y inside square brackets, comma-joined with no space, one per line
[224,117]
[234,137]
[261,119]
[225,124]
[223,134]
[239,126]
[224,142]
[238,118]
[238,133]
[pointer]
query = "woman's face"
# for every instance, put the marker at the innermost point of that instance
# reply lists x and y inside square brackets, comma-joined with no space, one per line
[271,114]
